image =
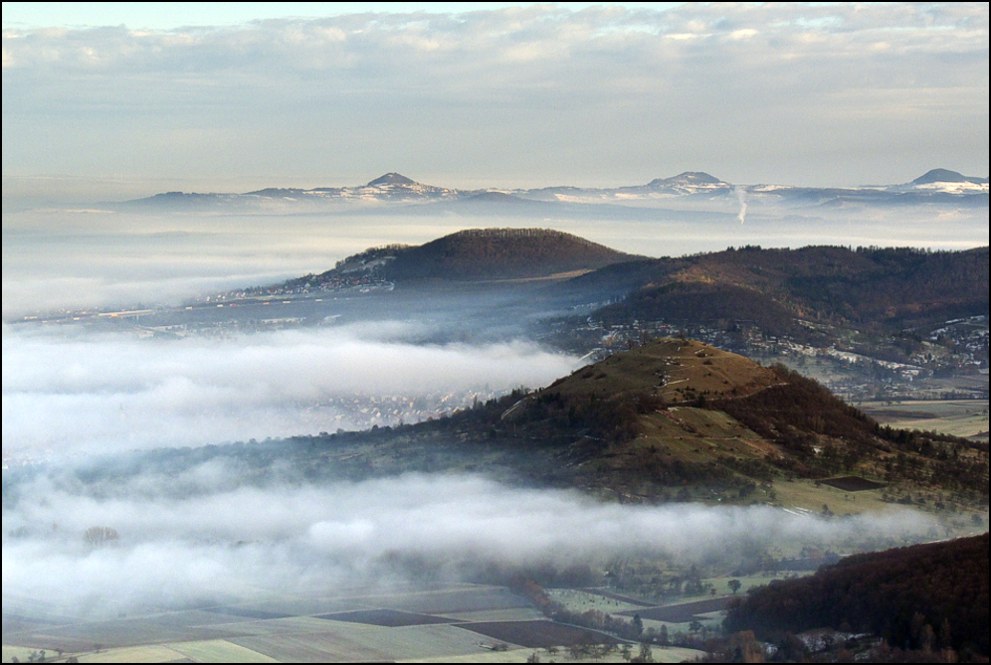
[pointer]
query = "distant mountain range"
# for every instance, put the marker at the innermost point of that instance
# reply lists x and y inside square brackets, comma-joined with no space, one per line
[936,186]
[937,176]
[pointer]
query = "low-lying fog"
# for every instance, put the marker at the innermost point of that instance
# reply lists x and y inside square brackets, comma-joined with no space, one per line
[68,392]
[221,545]
[85,258]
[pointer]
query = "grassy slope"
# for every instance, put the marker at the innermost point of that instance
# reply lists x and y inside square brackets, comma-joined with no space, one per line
[680,419]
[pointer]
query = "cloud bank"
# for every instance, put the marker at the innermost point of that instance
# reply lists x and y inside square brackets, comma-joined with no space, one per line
[76,260]
[828,94]
[217,546]
[117,392]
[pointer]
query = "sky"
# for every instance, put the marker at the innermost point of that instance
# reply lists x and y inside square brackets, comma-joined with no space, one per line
[132,100]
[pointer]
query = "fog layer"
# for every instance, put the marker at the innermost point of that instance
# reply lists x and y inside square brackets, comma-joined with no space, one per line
[116,392]
[216,546]
[58,259]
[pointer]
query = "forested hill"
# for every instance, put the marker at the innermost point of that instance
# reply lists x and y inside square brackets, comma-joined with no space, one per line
[775,288]
[781,291]
[927,597]
[478,255]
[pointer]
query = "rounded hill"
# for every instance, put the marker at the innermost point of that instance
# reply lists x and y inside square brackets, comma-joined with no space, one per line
[943,175]
[488,254]
[680,417]
[392,179]
[674,370]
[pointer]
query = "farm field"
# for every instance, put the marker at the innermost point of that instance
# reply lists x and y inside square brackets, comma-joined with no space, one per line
[675,616]
[661,655]
[487,656]
[967,418]
[810,496]
[852,483]
[389,618]
[454,599]
[683,613]
[581,600]
[338,641]
[198,651]
[508,614]
[806,495]
[541,633]
[747,582]
[480,623]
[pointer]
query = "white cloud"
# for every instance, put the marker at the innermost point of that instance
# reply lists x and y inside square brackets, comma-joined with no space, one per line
[351,89]
[54,259]
[743,33]
[115,392]
[233,542]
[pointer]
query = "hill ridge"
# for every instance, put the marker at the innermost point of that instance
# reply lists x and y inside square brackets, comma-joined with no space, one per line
[776,288]
[679,413]
[945,175]
[391,178]
[935,186]
[475,255]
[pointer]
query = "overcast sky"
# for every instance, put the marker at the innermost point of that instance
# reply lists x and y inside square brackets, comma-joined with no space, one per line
[308,95]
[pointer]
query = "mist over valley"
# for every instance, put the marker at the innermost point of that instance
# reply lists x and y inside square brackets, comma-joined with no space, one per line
[526,333]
